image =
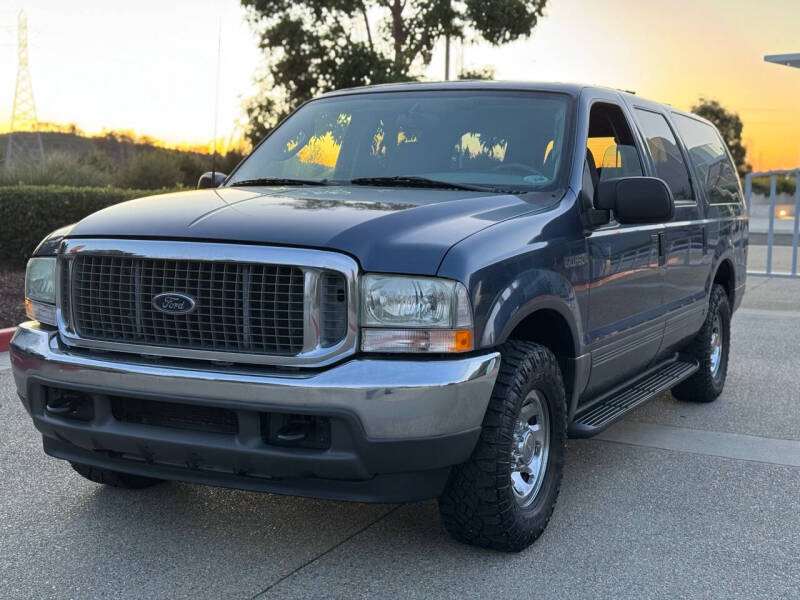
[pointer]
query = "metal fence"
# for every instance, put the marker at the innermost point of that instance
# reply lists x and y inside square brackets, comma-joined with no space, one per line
[782,213]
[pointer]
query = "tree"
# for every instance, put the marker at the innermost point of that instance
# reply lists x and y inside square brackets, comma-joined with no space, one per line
[484,73]
[730,127]
[314,46]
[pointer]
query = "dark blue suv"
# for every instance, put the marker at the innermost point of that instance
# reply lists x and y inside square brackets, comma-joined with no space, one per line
[405,292]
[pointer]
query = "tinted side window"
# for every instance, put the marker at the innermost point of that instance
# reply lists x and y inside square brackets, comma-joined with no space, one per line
[665,152]
[714,169]
[610,144]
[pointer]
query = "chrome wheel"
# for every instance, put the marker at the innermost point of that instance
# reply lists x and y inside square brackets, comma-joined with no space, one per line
[716,345]
[530,448]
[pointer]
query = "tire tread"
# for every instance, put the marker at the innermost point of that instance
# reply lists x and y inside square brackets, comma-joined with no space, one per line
[702,386]
[477,506]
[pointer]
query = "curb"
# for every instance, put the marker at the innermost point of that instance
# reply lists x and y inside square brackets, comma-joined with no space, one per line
[5,338]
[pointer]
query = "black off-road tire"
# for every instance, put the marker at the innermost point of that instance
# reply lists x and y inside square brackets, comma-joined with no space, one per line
[114,478]
[478,505]
[706,385]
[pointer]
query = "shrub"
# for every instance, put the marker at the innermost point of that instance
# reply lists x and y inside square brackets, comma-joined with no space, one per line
[99,161]
[152,170]
[784,184]
[56,169]
[28,213]
[191,168]
[229,161]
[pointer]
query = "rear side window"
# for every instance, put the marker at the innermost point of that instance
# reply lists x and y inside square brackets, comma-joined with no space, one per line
[712,165]
[667,157]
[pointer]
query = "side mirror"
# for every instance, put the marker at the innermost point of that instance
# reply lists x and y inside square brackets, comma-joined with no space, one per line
[636,200]
[210,179]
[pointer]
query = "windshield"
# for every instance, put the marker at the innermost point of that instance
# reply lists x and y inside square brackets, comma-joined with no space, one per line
[486,139]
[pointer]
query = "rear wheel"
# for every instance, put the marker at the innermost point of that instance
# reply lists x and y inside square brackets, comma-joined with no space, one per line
[503,497]
[710,347]
[114,478]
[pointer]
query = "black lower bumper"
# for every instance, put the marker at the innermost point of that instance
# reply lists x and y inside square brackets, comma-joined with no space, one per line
[388,487]
[237,452]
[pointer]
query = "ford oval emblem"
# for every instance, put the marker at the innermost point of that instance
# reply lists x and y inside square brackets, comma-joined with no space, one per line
[174,303]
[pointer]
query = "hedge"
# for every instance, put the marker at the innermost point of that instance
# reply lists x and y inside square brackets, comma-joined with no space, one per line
[28,213]
[783,185]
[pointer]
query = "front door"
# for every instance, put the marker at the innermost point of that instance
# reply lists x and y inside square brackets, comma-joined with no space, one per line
[626,317]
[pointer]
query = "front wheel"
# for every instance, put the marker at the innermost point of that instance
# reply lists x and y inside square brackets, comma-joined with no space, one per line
[503,496]
[710,347]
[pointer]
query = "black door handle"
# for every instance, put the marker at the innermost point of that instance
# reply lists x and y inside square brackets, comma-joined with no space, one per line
[705,240]
[662,247]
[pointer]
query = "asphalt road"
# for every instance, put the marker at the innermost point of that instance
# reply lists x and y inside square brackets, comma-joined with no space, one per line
[678,500]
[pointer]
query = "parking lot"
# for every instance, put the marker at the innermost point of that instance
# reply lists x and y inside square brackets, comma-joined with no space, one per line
[678,500]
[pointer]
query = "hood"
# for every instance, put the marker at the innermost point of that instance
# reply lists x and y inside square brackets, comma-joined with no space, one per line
[402,230]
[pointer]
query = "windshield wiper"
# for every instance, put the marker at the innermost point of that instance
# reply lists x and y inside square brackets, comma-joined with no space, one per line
[278,181]
[414,181]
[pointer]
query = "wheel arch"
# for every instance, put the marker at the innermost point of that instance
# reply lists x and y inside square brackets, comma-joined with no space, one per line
[725,275]
[552,325]
[550,328]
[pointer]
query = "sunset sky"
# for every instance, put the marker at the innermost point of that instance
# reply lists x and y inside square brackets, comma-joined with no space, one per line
[150,65]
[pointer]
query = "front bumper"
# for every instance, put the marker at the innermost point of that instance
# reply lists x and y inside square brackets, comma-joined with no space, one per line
[397,425]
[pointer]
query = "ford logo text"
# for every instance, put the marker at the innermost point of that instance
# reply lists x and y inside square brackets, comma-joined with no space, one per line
[174,303]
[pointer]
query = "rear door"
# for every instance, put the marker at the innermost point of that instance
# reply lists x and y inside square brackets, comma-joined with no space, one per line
[716,180]
[686,257]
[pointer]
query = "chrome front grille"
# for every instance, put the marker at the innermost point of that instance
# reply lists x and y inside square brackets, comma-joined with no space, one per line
[252,308]
[333,314]
[250,304]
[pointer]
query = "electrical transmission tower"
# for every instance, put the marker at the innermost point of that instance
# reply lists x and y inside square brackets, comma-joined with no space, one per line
[24,139]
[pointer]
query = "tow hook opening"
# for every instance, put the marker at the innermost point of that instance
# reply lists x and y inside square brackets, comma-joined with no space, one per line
[296,431]
[68,404]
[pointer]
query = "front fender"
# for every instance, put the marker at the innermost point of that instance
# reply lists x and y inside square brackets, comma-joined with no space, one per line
[528,292]
[521,265]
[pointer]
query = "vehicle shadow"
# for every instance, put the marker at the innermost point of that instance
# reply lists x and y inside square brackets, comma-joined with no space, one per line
[219,542]
[235,542]
[622,510]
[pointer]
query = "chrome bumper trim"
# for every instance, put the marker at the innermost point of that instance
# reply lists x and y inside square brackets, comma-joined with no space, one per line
[393,399]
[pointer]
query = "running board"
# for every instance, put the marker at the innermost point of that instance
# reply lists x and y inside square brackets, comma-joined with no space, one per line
[620,401]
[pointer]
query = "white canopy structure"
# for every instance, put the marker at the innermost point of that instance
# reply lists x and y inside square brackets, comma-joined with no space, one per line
[790,60]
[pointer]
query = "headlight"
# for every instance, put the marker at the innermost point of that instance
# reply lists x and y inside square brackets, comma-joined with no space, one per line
[40,289]
[414,314]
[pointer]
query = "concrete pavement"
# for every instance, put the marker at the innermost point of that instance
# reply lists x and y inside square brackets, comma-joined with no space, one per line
[678,500]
